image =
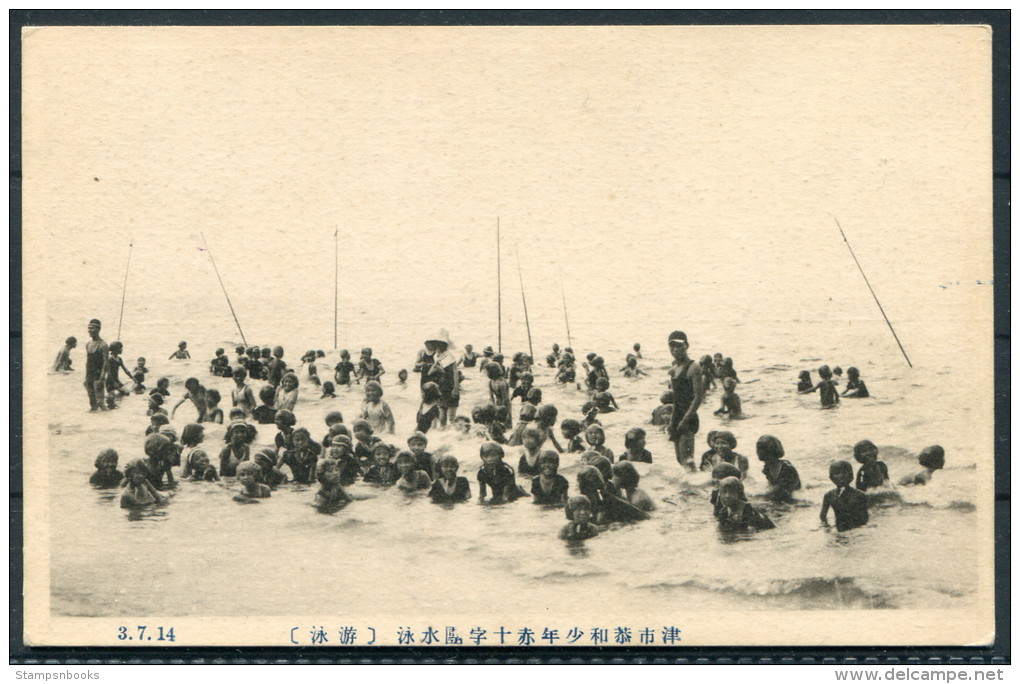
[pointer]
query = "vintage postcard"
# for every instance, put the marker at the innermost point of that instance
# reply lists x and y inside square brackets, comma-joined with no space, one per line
[615,336]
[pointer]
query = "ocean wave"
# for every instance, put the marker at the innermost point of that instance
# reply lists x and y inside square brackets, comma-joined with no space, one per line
[843,591]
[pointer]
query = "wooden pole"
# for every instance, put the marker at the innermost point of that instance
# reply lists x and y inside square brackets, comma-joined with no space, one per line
[336,287]
[224,289]
[123,293]
[563,294]
[524,301]
[499,295]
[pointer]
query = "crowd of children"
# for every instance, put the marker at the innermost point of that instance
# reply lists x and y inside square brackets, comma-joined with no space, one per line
[606,488]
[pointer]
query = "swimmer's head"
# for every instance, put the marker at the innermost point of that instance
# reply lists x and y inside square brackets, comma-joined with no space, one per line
[157,445]
[430,393]
[366,353]
[531,437]
[932,457]
[600,462]
[278,352]
[837,371]
[865,451]
[192,384]
[724,441]
[590,356]
[769,448]
[219,351]
[312,370]
[491,454]
[182,345]
[723,470]
[289,382]
[155,400]
[362,429]
[71,342]
[547,414]
[237,433]
[373,391]
[163,383]
[418,442]
[825,372]
[853,373]
[487,351]
[107,459]
[448,466]
[169,432]
[328,472]
[212,397]
[301,437]
[626,475]
[239,374]
[731,492]
[804,375]
[595,435]
[534,396]
[158,419]
[267,394]
[528,412]
[527,378]
[402,375]
[570,428]
[590,480]
[247,473]
[116,347]
[548,462]
[334,417]
[635,438]
[494,371]
[729,384]
[239,349]
[236,414]
[468,348]
[284,419]
[382,453]
[841,473]
[328,388]
[666,397]
[344,354]
[192,435]
[136,471]
[498,358]
[266,457]
[602,384]
[579,509]
[405,462]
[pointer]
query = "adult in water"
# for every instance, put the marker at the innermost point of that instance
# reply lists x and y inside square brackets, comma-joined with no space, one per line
[687,382]
[96,353]
[444,371]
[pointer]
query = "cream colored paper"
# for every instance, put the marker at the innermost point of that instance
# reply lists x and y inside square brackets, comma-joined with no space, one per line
[584,140]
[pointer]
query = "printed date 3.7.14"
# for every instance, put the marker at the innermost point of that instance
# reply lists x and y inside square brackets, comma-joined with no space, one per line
[145,633]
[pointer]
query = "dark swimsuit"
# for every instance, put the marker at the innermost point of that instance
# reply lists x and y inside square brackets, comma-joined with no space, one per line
[461,491]
[553,496]
[683,397]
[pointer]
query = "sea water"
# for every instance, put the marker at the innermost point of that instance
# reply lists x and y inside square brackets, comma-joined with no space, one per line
[204,554]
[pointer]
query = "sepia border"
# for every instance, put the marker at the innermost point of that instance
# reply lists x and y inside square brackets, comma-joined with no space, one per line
[996,652]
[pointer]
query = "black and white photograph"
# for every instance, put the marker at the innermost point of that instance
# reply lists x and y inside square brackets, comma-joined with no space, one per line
[484,336]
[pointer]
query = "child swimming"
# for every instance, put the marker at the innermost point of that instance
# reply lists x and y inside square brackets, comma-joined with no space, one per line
[931,459]
[364,442]
[825,387]
[369,368]
[181,352]
[251,488]
[276,367]
[596,438]
[139,380]
[411,479]
[331,494]
[631,370]
[720,473]
[267,473]
[873,473]
[849,505]
[344,369]
[220,364]
[328,390]
[236,450]
[106,476]
[159,452]
[855,387]
[499,390]
[162,387]
[730,400]
[429,409]
[376,411]
[191,438]
[242,396]
[781,475]
[449,488]
[662,413]
[626,479]
[580,526]
[548,487]
[804,383]
[196,394]
[545,420]
[525,419]
[265,414]
[634,446]
[735,514]
[114,364]
[496,476]
[417,443]
[723,445]
[138,490]
[213,412]
[287,393]
[571,431]
[285,422]
[531,438]
[382,472]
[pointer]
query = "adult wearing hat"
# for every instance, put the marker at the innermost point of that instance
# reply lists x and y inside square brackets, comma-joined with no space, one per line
[96,354]
[687,383]
[445,372]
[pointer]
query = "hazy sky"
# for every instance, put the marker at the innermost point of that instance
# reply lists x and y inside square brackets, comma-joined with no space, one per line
[641,161]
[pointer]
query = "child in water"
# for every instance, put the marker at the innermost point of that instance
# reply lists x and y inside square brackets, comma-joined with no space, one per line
[376,411]
[313,375]
[331,494]
[267,473]
[191,438]
[160,453]
[596,438]
[382,472]
[735,514]
[236,450]
[106,476]
[527,382]
[531,438]
[276,367]
[662,413]
[602,387]
[285,422]
[723,445]
[63,361]
[708,375]
[525,418]
[931,459]
[546,423]
[242,396]
[156,405]
[499,390]
[286,393]
[548,487]
[411,479]
[826,388]
[328,390]
[804,383]
[402,377]
[200,469]
[417,443]
[332,418]
[156,421]
[495,475]
[162,387]
[138,491]
[730,400]
[448,488]
[344,369]
[592,486]
[428,410]
[251,488]
[114,364]
[849,505]
[181,353]
[634,445]
[580,526]
[341,452]
[302,456]
[220,364]
[720,473]
[139,386]
[213,412]
[369,368]
[626,479]
[855,387]
[571,431]
[364,442]
[873,473]
[631,370]
[781,475]
[265,414]
[196,394]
